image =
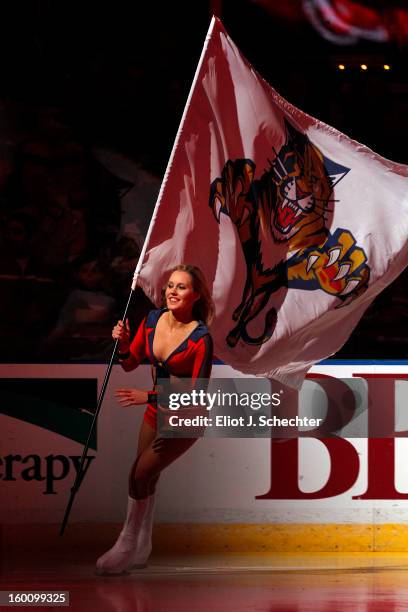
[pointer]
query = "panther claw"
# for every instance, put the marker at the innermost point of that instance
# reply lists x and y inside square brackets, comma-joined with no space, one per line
[236,313]
[232,339]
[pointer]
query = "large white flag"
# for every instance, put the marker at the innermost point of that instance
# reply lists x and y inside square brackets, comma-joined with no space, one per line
[295,226]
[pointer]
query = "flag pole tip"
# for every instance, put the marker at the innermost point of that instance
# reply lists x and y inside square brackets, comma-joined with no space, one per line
[217,20]
[216,25]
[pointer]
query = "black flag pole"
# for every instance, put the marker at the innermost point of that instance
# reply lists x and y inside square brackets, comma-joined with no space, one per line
[80,473]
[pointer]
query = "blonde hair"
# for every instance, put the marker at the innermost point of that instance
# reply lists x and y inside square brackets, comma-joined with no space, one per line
[203,308]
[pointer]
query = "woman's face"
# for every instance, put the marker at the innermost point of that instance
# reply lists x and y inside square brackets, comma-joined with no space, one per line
[180,294]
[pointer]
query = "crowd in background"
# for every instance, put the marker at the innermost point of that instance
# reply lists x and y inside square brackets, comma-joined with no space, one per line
[65,265]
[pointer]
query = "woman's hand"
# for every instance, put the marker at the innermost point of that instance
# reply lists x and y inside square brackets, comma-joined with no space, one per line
[121,332]
[131,397]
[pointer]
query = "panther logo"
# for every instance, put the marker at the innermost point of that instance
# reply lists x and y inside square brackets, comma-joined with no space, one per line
[290,204]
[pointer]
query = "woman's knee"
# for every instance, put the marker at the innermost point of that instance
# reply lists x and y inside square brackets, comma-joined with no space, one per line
[142,481]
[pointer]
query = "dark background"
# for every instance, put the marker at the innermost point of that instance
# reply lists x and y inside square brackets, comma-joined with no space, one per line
[80,77]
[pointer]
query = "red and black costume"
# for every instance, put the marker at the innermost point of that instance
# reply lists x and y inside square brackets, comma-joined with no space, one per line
[191,359]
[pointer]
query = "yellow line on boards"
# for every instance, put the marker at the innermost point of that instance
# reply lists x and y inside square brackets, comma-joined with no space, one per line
[243,538]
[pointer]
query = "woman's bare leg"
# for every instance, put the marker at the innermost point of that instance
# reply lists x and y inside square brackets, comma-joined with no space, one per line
[147,435]
[154,454]
[134,543]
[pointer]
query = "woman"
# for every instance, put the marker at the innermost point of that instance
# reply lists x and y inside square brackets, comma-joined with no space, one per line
[177,342]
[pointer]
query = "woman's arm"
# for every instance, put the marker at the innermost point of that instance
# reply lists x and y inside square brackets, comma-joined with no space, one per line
[130,354]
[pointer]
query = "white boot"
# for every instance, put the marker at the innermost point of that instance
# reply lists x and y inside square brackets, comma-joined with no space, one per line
[144,540]
[133,545]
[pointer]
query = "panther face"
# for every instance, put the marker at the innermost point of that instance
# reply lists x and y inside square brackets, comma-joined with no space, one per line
[291,200]
[302,189]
